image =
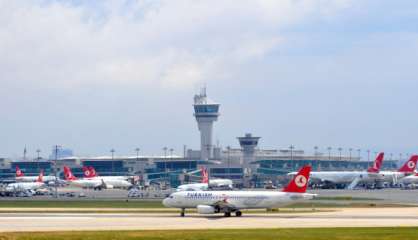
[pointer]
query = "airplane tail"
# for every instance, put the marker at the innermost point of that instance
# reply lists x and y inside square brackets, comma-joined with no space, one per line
[299,182]
[377,164]
[40,177]
[68,175]
[93,172]
[410,165]
[205,176]
[19,172]
[89,172]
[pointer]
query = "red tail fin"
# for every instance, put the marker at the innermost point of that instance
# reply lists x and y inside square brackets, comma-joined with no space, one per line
[19,172]
[68,175]
[40,177]
[89,172]
[93,172]
[377,163]
[410,165]
[299,182]
[86,172]
[205,176]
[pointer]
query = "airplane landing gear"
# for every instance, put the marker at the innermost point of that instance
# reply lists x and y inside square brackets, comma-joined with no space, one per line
[227,214]
[182,212]
[238,213]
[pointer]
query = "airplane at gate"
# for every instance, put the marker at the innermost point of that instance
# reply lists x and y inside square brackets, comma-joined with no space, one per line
[352,178]
[206,183]
[90,173]
[411,180]
[39,183]
[95,183]
[211,202]
[407,169]
[20,177]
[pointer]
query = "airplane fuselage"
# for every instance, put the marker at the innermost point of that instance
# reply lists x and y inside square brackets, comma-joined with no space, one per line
[24,186]
[34,178]
[238,199]
[341,177]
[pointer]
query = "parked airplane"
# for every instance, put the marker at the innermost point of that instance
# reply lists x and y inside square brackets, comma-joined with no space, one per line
[95,183]
[19,186]
[350,178]
[407,169]
[410,181]
[20,177]
[90,173]
[210,202]
[206,183]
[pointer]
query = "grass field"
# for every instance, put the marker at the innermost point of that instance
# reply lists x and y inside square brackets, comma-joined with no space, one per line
[401,233]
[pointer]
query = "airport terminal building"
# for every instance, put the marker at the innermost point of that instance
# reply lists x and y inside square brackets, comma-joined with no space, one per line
[247,165]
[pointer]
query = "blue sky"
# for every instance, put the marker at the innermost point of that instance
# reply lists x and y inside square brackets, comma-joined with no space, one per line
[96,75]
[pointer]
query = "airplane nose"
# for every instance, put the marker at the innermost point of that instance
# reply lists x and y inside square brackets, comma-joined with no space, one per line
[166,202]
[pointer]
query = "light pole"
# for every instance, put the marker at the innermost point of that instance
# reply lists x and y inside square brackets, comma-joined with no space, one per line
[229,166]
[113,158]
[368,155]
[55,170]
[171,153]
[329,152]
[137,153]
[316,152]
[165,161]
[391,155]
[350,150]
[38,151]
[359,153]
[339,150]
[291,152]
[400,157]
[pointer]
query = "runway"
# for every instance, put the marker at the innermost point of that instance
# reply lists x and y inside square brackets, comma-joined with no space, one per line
[349,217]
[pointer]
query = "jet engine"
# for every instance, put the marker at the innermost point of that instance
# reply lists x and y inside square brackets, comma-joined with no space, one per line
[205,209]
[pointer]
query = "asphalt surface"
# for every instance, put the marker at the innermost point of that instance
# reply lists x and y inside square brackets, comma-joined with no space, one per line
[350,217]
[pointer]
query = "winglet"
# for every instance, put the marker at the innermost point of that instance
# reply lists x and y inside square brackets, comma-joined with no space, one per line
[68,174]
[19,172]
[377,163]
[410,165]
[299,182]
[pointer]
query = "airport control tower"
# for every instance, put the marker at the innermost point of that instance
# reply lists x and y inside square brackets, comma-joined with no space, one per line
[248,144]
[206,112]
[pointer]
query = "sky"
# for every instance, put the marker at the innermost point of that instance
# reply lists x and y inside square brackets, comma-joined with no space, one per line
[97,75]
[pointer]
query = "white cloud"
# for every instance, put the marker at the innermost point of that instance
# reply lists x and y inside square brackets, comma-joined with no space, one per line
[155,43]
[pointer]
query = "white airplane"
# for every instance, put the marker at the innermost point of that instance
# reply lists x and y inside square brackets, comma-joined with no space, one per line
[90,173]
[20,177]
[411,180]
[206,184]
[27,185]
[351,178]
[407,169]
[94,183]
[211,202]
